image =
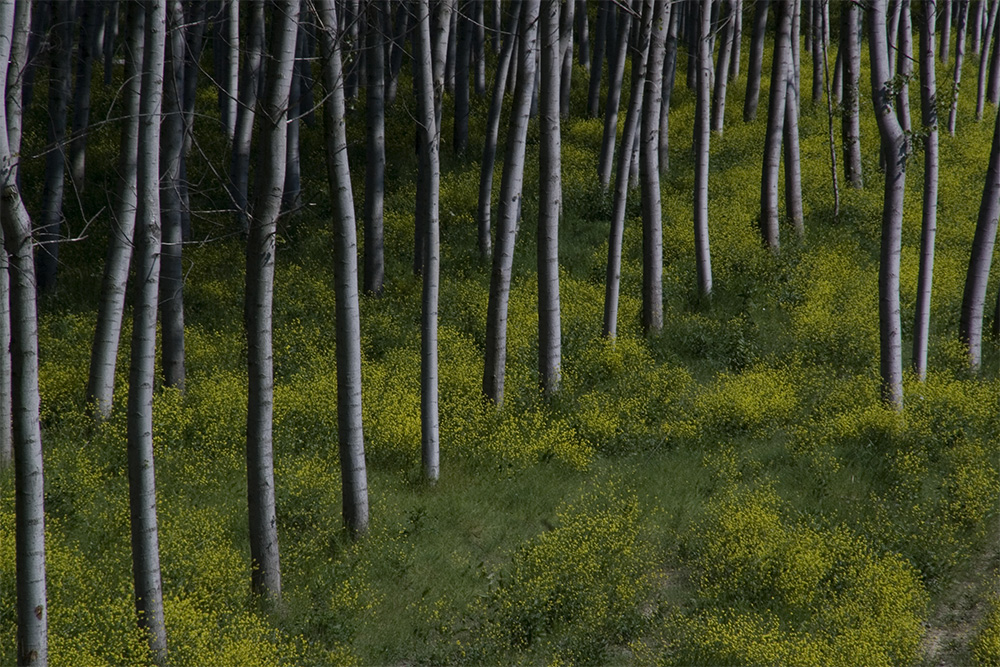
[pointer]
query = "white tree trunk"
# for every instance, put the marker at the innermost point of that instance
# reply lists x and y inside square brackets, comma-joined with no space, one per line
[553,57]
[616,74]
[702,136]
[649,175]
[239,171]
[776,117]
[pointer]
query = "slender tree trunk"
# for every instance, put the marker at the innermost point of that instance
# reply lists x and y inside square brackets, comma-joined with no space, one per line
[702,135]
[104,352]
[734,58]
[607,156]
[894,143]
[239,172]
[892,34]
[510,204]
[48,234]
[963,14]
[776,117]
[566,53]
[374,259]
[41,17]
[649,173]
[429,139]
[291,198]
[794,44]
[793,166]
[669,74]
[597,58]
[479,48]
[142,477]
[109,38]
[974,297]
[993,87]
[816,42]
[29,482]
[171,151]
[229,83]
[829,113]
[460,135]
[580,16]
[350,434]
[984,58]
[450,58]
[755,65]
[492,130]
[929,119]
[554,58]
[265,560]
[904,45]
[90,20]
[613,278]
[16,72]
[945,15]
[722,68]
[851,124]
[400,31]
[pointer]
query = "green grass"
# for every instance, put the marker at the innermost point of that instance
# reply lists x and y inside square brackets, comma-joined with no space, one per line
[662,509]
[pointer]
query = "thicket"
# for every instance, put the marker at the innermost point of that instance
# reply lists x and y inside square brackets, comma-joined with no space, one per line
[731,492]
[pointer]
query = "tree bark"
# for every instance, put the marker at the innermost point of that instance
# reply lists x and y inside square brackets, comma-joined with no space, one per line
[776,117]
[944,14]
[510,205]
[649,174]
[492,131]
[616,73]
[104,351]
[669,74]
[239,171]
[350,434]
[702,135]
[722,67]
[229,83]
[904,67]
[850,123]
[816,30]
[291,197]
[554,58]
[963,14]
[929,119]
[613,277]
[984,58]
[755,65]
[374,259]
[734,58]
[90,21]
[142,476]
[894,146]
[970,327]
[460,134]
[597,58]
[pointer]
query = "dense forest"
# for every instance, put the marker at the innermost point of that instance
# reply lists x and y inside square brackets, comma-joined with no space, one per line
[489,332]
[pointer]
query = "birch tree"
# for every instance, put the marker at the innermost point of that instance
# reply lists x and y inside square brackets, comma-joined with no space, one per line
[780,67]
[649,174]
[850,120]
[510,200]
[894,147]
[616,73]
[755,65]
[553,57]
[141,469]
[374,260]
[239,170]
[702,137]
[350,435]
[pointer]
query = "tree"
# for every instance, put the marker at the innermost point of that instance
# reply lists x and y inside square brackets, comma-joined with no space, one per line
[984,58]
[91,19]
[613,277]
[597,58]
[616,73]
[239,170]
[104,351]
[790,140]
[829,113]
[649,173]
[141,469]
[667,86]
[776,117]
[963,14]
[29,478]
[850,121]
[227,47]
[374,260]
[722,67]
[460,138]
[929,120]
[493,130]
[429,138]
[171,203]
[702,136]
[553,57]
[894,147]
[970,328]
[507,215]
[755,65]
[350,435]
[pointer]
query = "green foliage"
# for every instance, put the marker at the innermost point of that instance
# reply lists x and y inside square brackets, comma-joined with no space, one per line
[986,643]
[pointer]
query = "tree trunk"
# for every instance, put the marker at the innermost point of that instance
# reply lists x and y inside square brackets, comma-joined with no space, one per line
[48,234]
[580,16]
[104,352]
[29,483]
[17,69]
[734,58]
[239,172]
[90,21]
[904,45]
[479,48]
[970,328]
[755,65]
[963,15]
[722,67]
[510,205]
[374,259]
[607,156]
[229,83]
[850,123]
[108,42]
[460,135]
[984,58]
[649,174]
[702,135]
[613,277]
[816,30]
[929,119]
[776,117]
[350,435]
[566,53]
[894,144]
[993,88]
[291,197]
[669,74]
[171,151]
[554,58]
[428,137]
[142,477]
[493,130]
[399,34]
[945,15]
